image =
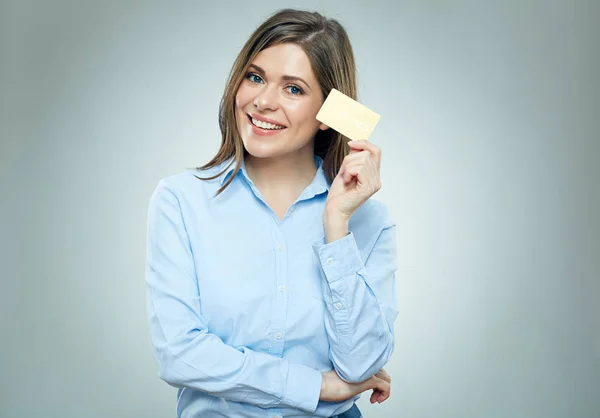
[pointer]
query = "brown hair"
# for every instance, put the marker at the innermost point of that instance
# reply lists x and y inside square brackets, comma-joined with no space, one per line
[329,51]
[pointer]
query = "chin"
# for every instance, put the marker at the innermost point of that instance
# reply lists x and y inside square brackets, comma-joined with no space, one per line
[261,150]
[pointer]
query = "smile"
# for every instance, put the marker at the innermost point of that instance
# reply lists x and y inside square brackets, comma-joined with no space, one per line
[264,128]
[265,125]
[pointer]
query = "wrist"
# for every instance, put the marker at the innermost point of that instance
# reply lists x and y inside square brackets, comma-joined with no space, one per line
[335,219]
[334,214]
[335,229]
[335,225]
[323,386]
[334,233]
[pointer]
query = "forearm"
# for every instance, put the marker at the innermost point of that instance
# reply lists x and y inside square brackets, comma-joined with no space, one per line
[360,339]
[201,361]
[360,300]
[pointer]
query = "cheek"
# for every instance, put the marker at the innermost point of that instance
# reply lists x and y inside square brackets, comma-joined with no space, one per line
[303,114]
[243,96]
[297,111]
[239,99]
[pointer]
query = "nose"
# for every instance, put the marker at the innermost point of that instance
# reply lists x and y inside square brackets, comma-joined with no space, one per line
[266,99]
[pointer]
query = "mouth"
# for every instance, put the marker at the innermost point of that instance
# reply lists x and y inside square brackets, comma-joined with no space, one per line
[265,125]
[263,128]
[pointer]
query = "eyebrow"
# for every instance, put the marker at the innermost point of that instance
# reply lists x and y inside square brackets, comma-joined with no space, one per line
[284,77]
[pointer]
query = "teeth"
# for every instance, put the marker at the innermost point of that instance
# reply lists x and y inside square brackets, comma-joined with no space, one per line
[266,125]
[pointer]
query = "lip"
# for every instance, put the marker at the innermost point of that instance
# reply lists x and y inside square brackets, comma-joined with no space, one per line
[261,131]
[263,119]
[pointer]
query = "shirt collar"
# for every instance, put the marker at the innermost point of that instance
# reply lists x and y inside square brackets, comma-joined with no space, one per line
[317,186]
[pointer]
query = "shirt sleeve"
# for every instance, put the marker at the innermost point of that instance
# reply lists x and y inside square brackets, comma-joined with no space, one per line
[361,303]
[186,353]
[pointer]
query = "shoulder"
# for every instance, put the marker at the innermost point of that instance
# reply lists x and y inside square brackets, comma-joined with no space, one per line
[182,181]
[190,182]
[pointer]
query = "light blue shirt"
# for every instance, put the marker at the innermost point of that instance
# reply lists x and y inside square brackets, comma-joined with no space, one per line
[246,310]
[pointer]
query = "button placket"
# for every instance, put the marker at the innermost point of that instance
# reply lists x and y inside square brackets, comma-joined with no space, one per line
[279,313]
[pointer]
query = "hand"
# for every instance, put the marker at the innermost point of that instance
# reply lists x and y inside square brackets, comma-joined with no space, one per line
[378,395]
[334,389]
[357,180]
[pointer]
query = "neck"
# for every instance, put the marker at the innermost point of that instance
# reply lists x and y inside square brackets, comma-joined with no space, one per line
[285,175]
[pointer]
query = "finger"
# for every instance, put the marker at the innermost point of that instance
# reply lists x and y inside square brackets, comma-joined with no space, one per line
[357,154]
[355,170]
[353,151]
[374,396]
[360,158]
[363,157]
[381,388]
[348,159]
[382,374]
[369,146]
[381,397]
[387,374]
[381,385]
[384,397]
[352,167]
[362,144]
[366,176]
[346,175]
[377,396]
[365,145]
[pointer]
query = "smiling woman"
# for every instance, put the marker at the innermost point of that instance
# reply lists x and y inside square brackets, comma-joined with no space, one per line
[271,106]
[271,273]
[281,76]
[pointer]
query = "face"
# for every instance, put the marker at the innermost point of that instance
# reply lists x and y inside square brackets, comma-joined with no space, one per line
[277,102]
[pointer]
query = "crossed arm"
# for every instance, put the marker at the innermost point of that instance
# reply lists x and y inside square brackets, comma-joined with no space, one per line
[360,305]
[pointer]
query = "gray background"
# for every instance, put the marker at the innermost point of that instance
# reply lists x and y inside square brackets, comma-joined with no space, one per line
[489,130]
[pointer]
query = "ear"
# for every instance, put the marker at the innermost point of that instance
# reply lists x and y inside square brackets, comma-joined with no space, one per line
[323,127]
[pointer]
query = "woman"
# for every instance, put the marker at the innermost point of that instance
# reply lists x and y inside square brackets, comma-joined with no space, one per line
[270,277]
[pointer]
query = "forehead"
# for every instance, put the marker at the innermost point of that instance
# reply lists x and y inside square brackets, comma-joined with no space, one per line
[285,59]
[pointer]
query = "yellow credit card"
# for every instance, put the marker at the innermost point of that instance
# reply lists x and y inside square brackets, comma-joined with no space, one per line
[347,116]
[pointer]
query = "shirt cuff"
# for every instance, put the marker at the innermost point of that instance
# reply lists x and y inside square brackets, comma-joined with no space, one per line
[339,258]
[303,387]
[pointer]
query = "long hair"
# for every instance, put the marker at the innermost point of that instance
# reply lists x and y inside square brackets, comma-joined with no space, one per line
[330,53]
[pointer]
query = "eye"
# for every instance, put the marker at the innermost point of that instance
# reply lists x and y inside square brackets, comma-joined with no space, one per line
[253,77]
[296,91]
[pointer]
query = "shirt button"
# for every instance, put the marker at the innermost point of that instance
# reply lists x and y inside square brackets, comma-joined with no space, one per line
[338,305]
[281,247]
[281,288]
[330,260]
[278,336]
